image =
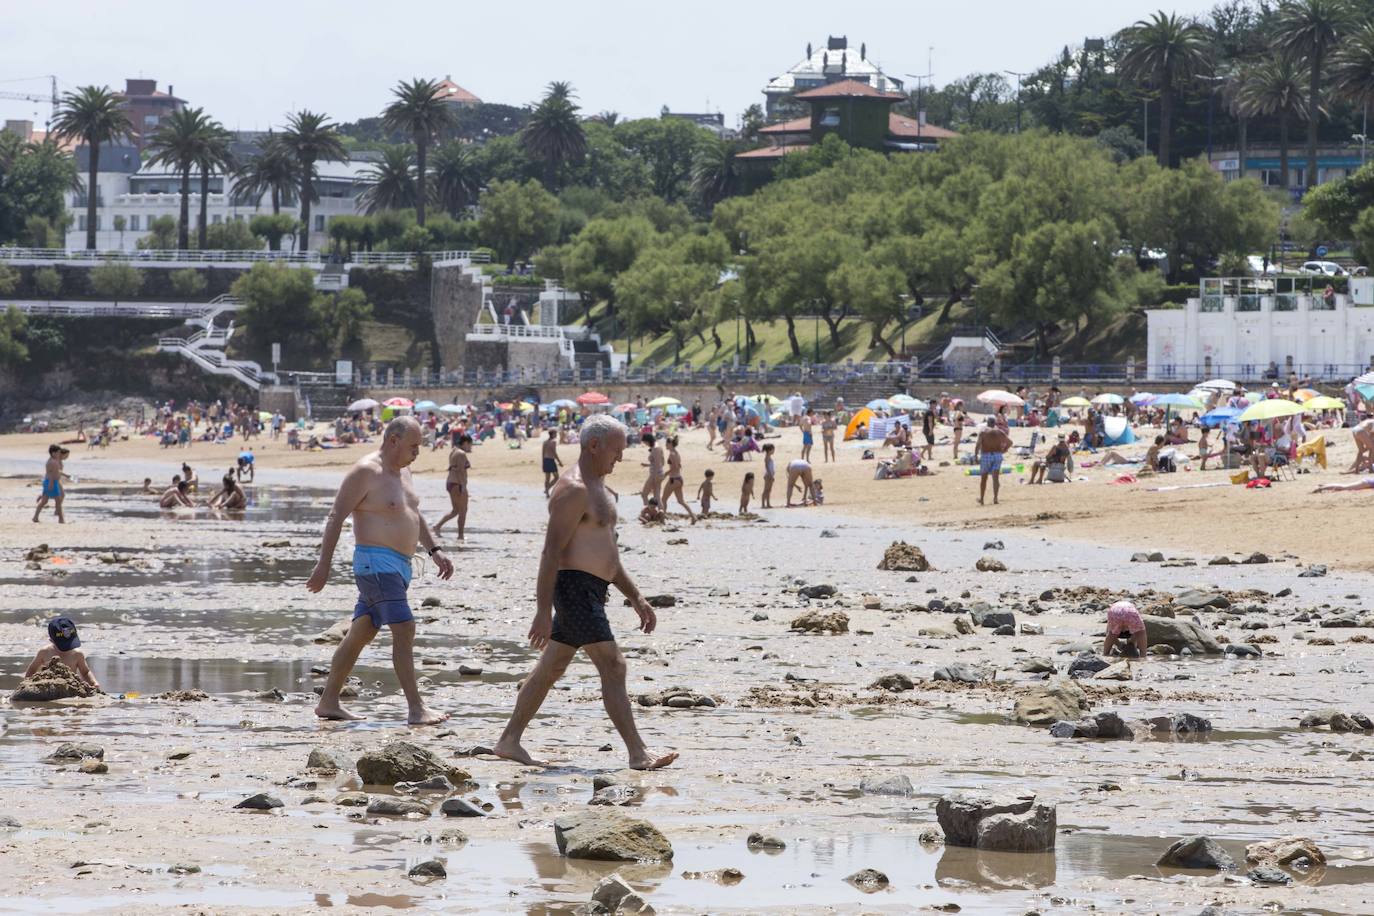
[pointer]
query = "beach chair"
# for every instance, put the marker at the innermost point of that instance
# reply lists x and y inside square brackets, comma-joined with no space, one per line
[1028,451]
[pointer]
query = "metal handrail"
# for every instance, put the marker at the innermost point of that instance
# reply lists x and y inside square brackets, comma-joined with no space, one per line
[157,255]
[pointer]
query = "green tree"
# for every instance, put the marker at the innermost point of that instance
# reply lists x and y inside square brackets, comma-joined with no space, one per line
[1273,87]
[669,147]
[273,170]
[13,324]
[831,150]
[553,135]
[311,137]
[420,111]
[1352,66]
[1306,31]
[273,228]
[113,280]
[34,178]
[1165,52]
[280,305]
[345,312]
[214,156]
[393,182]
[188,284]
[457,177]
[232,235]
[162,234]
[601,252]
[715,172]
[39,232]
[93,115]
[180,142]
[9,280]
[517,219]
[1362,230]
[48,282]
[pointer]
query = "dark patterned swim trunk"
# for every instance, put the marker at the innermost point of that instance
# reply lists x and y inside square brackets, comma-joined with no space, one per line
[579,609]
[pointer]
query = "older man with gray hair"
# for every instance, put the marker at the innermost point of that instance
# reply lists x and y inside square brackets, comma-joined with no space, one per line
[579,564]
[387,526]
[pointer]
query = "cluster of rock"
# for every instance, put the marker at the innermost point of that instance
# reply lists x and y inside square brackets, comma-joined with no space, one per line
[1337,721]
[676,698]
[1268,860]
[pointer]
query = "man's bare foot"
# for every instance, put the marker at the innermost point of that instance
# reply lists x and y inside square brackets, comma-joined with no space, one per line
[513,751]
[649,762]
[336,713]
[425,716]
[980,500]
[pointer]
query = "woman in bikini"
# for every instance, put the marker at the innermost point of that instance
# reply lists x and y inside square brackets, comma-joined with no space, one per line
[457,485]
[674,485]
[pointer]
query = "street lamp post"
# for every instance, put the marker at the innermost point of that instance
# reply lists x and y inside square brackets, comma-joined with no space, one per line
[1018,95]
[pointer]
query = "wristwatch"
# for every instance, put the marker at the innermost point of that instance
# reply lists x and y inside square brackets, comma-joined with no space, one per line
[435,549]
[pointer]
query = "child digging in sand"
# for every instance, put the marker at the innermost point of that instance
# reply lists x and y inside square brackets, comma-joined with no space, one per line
[746,492]
[705,492]
[651,514]
[62,633]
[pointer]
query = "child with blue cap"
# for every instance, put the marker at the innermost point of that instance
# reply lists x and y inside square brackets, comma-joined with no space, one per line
[65,648]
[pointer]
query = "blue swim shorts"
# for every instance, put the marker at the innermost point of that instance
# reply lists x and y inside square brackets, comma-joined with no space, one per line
[52,488]
[990,463]
[806,438]
[383,577]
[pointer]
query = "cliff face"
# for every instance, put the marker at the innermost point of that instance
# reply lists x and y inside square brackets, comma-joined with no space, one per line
[456,300]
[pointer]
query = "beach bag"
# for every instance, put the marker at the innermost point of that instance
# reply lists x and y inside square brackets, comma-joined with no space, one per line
[1241,477]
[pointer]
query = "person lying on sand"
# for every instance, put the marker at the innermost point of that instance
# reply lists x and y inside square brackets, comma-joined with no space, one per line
[1366,484]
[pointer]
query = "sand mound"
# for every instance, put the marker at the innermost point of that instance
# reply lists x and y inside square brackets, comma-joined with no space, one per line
[54,681]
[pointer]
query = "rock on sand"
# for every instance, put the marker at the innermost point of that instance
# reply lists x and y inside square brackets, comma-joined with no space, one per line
[1197,852]
[821,622]
[903,557]
[1044,705]
[608,836]
[1003,823]
[403,761]
[1179,635]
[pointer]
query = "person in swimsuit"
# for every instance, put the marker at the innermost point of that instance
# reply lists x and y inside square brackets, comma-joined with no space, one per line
[807,439]
[457,486]
[706,492]
[960,418]
[928,430]
[52,483]
[770,471]
[1124,623]
[799,474]
[1366,484]
[828,436]
[191,477]
[992,444]
[674,484]
[579,563]
[655,465]
[387,526]
[231,496]
[175,496]
[552,463]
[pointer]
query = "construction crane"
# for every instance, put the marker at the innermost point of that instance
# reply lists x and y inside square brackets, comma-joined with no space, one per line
[29,97]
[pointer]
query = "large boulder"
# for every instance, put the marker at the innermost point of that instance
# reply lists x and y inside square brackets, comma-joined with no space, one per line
[1290,850]
[1179,635]
[890,784]
[903,557]
[1056,700]
[54,681]
[822,622]
[403,761]
[985,616]
[1007,823]
[608,836]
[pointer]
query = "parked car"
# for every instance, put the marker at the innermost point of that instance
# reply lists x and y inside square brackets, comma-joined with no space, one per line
[1322,268]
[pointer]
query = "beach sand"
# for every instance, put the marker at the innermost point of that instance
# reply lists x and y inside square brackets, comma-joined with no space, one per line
[180,601]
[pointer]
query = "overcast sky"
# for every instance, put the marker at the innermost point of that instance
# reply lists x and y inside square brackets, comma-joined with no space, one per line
[251,61]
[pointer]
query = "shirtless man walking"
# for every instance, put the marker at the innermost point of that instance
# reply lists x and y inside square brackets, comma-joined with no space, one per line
[992,444]
[377,492]
[457,485]
[551,461]
[655,465]
[808,439]
[579,563]
[52,483]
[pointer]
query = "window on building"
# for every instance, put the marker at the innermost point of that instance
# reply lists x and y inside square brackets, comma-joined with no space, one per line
[150,120]
[216,219]
[319,223]
[831,118]
[81,223]
[134,220]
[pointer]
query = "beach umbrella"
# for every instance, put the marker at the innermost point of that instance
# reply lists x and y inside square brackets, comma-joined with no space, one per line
[663,401]
[675,410]
[452,408]
[118,423]
[526,407]
[1366,379]
[399,402]
[1218,384]
[1000,398]
[426,405]
[749,405]
[1366,391]
[592,397]
[1142,399]
[1219,417]
[1323,402]
[1075,401]
[879,404]
[1177,400]
[905,402]
[1109,399]
[1306,394]
[563,402]
[1269,409]
[624,408]
[262,415]
[769,399]
[363,404]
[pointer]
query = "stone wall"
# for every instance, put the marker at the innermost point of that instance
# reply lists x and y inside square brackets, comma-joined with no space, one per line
[456,300]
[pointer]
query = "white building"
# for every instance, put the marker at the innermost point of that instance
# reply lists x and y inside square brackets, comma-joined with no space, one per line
[836,62]
[140,195]
[1246,329]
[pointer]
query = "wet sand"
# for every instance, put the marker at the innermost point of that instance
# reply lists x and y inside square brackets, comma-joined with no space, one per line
[187,600]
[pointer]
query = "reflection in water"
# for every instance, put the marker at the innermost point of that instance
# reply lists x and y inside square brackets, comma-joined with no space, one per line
[1019,870]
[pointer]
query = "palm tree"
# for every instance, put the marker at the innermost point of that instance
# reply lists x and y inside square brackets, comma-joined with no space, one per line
[457,177]
[1352,67]
[609,118]
[715,173]
[561,90]
[1274,87]
[273,170]
[1306,31]
[1233,90]
[1165,51]
[215,155]
[419,110]
[179,143]
[311,137]
[93,115]
[393,181]
[554,133]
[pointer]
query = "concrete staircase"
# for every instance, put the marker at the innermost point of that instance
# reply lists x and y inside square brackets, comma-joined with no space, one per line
[205,348]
